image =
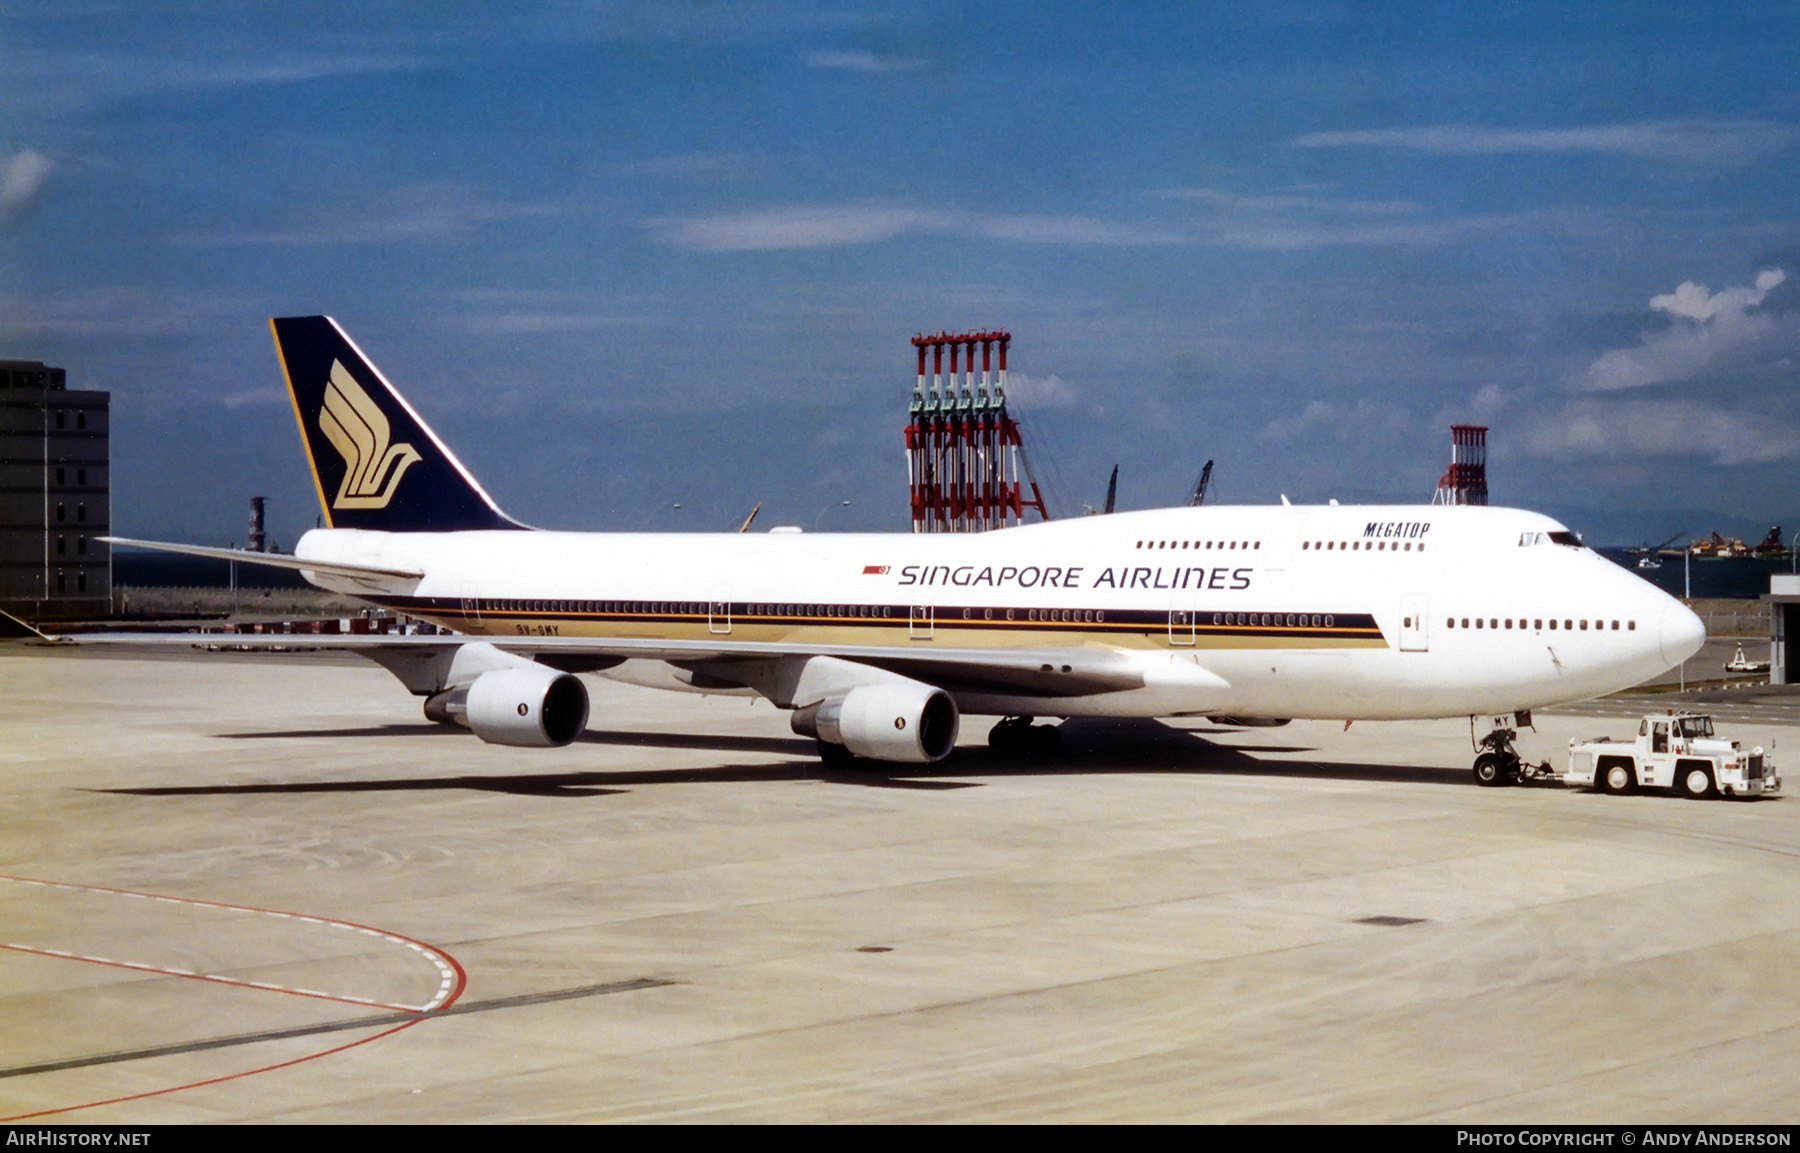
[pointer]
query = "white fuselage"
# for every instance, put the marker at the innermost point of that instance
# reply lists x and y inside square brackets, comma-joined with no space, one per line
[1372,612]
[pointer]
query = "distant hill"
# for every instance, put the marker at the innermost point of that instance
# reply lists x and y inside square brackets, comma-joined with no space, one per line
[1627,527]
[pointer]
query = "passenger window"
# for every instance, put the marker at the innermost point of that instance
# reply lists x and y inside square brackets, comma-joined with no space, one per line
[1537,624]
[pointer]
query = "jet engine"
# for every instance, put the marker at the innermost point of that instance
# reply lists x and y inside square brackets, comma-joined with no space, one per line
[905,721]
[536,707]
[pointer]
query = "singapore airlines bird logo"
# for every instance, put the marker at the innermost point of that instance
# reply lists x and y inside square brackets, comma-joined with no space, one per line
[355,426]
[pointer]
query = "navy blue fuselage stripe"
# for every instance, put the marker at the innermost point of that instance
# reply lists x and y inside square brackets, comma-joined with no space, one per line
[983,617]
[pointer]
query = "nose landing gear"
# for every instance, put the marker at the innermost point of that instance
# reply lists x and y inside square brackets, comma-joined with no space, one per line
[1497,763]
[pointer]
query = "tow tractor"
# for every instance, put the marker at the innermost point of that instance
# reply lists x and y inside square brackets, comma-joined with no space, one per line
[1677,751]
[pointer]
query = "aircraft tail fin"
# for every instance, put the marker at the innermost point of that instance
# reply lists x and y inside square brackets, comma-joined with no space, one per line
[375,462]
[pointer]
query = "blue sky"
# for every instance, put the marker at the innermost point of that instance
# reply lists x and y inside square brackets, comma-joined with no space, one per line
[627,255]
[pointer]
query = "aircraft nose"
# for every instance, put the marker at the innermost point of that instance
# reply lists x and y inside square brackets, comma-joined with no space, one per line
[1680,633]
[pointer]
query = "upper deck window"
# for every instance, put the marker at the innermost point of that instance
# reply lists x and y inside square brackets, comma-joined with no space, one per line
[1528,539]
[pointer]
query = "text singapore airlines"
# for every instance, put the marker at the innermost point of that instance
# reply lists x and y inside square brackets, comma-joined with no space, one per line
[879,643]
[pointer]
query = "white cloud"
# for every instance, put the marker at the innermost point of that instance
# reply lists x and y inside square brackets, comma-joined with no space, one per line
[1708,327]
[1367,421]
[1286,202]
[837,225]
[1291,221]
[427,212]
[1696,140]
[518,323]
[1040,391]
[123,312]
[22,177]
[696,167]
[864,62]
[1317,414]
[1633,430]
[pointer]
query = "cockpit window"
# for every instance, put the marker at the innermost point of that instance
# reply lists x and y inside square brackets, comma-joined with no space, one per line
[1528,539]
[1694,726]
[1565,538]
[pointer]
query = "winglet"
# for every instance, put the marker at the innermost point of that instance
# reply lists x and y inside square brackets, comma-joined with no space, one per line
[376,464]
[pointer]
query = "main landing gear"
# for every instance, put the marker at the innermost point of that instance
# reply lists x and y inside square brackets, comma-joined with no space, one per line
[1017,736]
[1497,763]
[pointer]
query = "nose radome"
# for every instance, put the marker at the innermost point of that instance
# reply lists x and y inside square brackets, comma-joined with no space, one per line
[1680,633]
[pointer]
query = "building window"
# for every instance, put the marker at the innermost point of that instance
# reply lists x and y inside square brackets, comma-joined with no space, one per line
[62,545]
[59,477]
[81,545]
[81,476]
[81,582]
[62,513]
[81,421]
[81,512]
[59,418]
[62,583]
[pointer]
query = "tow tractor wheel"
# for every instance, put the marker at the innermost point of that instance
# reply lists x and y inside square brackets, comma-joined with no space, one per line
[1616,780]
[1491,770]
[1698,783]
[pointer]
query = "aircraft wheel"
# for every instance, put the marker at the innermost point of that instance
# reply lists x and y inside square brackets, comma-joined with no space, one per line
[1616,780]
[836,757]
[1044,740]
[1491,771]
[1698,783]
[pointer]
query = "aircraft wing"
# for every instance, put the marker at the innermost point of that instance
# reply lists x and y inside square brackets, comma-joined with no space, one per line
[1059,672]
[375,578]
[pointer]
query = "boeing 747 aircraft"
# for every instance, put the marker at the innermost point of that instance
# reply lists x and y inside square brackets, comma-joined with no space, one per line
[879,643]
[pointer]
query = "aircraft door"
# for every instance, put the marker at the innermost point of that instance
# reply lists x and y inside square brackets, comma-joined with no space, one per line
[1181,618]
[718,613]
[471,604]
[1415,628]
[921,623]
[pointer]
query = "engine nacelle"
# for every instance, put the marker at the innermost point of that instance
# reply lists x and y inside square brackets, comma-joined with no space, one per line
[909,722]
[536,708]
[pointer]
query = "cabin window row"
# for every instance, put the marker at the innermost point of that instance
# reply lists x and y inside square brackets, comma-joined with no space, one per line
[1362,545]
[1201,544]
[690,608]
[1275,620]
[1536,623]
[860,612]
